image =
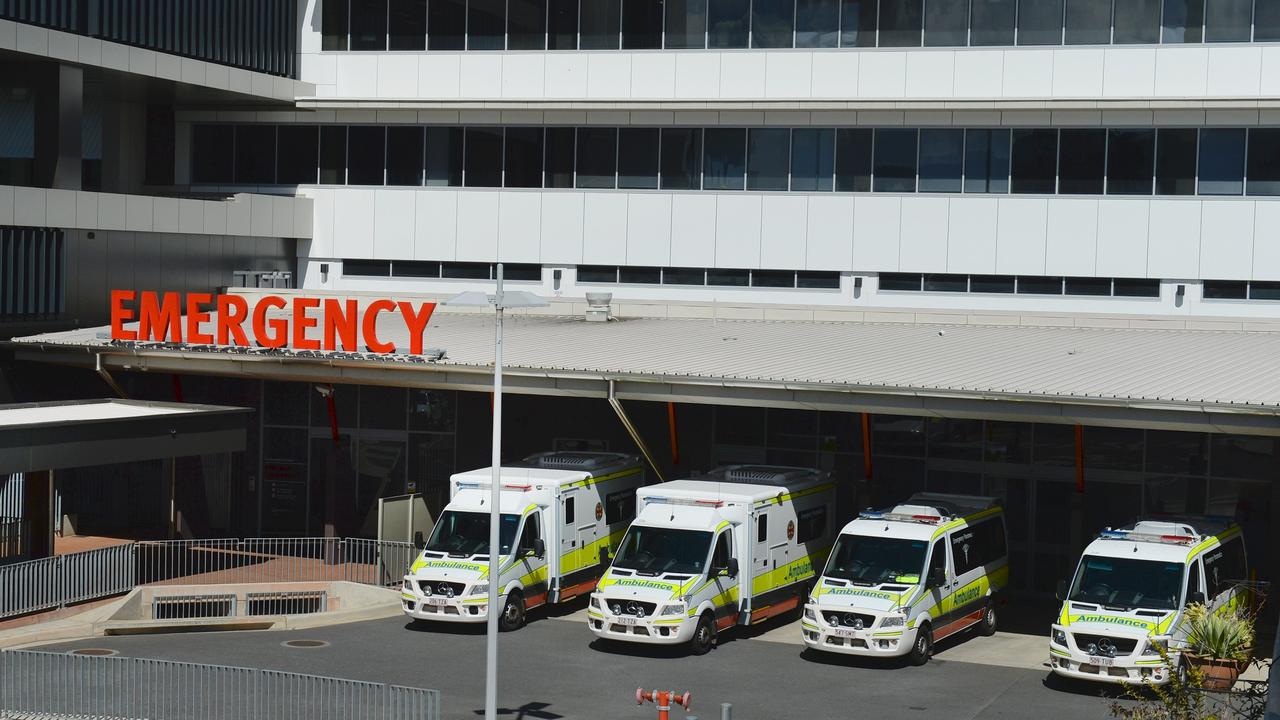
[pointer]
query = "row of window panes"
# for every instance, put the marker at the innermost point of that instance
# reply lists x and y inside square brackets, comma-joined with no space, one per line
[410,25]
[1241,290]
[419,269]
[716,277]
[1020,284]
[1076,161]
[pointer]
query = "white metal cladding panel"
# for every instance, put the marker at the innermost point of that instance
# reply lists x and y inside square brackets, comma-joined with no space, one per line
[562,227]
[439,76]
[1071,236]
[648,229]
[609,75]
[397,76]
[738,219]
[742,75]
[971,236]
[1182,71]
[1020,236]
[353,221]
[1029,74]
[357,75]
[478,226]
[882,74]
[835,75]
[829,240]
[923,244]
[697,75]
[1235,71]
[1077,72]
[784,228]
[393,226]
[1270,71]
[877,227]
[1122,238]
[566,75]
[1226,240]
[435,228]
[1173,239]
[523,75]
[480,75]
[1128,72]
[693,230]
[783,71]
[930,74]
[604,231]
[1266,241]
[520,226]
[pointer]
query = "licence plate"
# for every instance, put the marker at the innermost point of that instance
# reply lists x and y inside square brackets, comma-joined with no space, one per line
[844,632]
[1102,661]
[624,620]
[435,601]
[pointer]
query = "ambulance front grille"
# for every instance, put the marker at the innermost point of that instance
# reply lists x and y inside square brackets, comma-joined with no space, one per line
[848,619]
[441,588]
[1099,644]
[635,608]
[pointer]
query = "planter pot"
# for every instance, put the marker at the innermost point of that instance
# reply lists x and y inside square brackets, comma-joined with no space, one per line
[1216,674]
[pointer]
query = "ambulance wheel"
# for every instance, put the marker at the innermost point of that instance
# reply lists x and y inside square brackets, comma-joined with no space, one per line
[704,636]
[987,625]
[512,617]
[923,646]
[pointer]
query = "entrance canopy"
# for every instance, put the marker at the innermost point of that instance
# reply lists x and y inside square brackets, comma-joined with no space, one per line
[57,435]
[1177,379]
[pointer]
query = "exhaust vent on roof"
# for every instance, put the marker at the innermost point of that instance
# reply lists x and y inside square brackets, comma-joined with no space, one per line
[759,475]
[575,460]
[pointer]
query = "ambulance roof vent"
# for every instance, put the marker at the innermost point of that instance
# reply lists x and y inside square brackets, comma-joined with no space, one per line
[764,474]
[584,461]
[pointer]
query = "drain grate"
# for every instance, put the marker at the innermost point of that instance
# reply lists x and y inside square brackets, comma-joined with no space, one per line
[304,602]
[305,643]
[175,607]
[94,652]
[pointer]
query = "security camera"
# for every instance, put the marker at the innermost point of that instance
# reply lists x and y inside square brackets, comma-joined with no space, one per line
[324,390]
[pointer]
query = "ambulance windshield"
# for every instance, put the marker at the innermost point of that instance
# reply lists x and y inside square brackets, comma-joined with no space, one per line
[867,560]
[654,551]
[1127,583]
[463,534]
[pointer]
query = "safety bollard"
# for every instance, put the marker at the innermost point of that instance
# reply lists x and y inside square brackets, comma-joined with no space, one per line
[664,699]
[726,711]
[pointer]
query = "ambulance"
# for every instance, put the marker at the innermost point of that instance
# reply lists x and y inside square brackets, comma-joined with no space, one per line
[736,546]
[559,510]
[901,579]
[1126,603]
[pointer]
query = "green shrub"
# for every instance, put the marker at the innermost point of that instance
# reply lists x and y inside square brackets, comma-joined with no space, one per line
[1226,636]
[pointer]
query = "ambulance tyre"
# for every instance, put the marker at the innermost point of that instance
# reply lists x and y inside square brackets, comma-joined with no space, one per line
[923,647]
[512,617]
[987,625]
[704,636]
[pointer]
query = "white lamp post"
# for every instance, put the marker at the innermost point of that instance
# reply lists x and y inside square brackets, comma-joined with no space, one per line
[499,301]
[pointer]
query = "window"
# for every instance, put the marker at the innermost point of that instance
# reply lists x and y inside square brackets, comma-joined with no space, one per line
[762,529]
[560,153]
[895,161]
[486,24]
[333,24]
[1082,162]
[986,161]
[638,158]
[296,162]
[1130,161]
[1227,20]
[858,23]
[482,157]
[1259,290]
[681,158]
[937,563]
[444,156]
[900,23]
[367,268]
[366,155]
[568,510]
[368,24]
[941,160]
[1176,162]
[1137,22]
[990,284]
[723,158]
[909,282]
[1193,582]
[1137,287]
[212,161]
[416,269]
[1089,22]
[811,524]
[727,23]
[773,278]
[466,271]
[526,24]
[853,160]
[1221,161]
[817,280]
[597,274]
[599,24]
[992,22]
[532,528]
[404,155]
[684,276]
[1226,289]
[640,275]
[1264,161]
[812,159]
[967,551]
[408,25]
[1034,161]
[720,555]
[562,24]
[767,160]
[686,23]
[523,151]
[946,23]
[333,154]
[1031,285]
[1088,286]
[817,23]
[1266,21]
[728,278]
[641,24]
[597,157]
[1040,22]
[1183,21]
[446,24]
[938,282]
[772,23]
[255,154]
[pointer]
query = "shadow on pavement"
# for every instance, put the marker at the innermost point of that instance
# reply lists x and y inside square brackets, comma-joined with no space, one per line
[530,710]
[445,628]
[854,661]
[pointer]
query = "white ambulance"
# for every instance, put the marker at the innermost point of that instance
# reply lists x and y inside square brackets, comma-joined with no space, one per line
[559,511]
[734,547]
[899,580]
[1127,600]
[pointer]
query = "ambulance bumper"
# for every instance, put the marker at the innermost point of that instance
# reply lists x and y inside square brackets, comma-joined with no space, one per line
[1067,661]
[870,641]
[655,630]
[442,609]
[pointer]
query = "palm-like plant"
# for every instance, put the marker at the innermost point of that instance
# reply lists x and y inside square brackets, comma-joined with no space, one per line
[1225,636]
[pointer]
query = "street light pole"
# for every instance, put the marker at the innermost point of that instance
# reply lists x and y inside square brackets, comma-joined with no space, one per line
[495,517]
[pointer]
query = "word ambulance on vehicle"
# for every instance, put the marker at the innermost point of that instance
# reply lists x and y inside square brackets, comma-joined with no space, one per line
[736,546]
[899,580]
[1126,604]
[559,510]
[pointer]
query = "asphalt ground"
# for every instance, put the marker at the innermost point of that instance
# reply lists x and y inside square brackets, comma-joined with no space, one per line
[554,668]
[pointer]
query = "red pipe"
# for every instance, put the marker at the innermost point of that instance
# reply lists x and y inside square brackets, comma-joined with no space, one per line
[177,388]
[675,440]
[1079,459]
[866,445]
[333,416]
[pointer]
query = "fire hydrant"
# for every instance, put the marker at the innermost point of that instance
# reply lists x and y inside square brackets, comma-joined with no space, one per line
[664,699]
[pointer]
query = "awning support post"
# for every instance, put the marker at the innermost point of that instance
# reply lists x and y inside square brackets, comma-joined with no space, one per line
[616,404]
[106,377]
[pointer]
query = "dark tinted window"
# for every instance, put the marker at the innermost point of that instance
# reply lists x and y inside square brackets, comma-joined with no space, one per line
[640,275]
[1033,285]
[333,154]
[767,158]
[416,268]
[946,23]
[937,563]
[367,268]
[900,281]
[817,23]
[568,510]
[900,23]
[1182,21]
[986,161]
[1137,287]
[641,24]
[255,154]
[728,278]
[1130,161]
[686,23]
[1088,286]
[1266,21]
[1176,162]
[368,24]
[895,161]
[466,271]
[941,160]
[333,24]
[811,524]
[599,24]
[408,25]
[297,148]
[486,24]
[562,25]
[817,280]
[1221,161]
[597,274]
[773,278]
[993,22]
[991,283]
[1264,161]
[724,158]
[212,159]
[772,23]
[1137,22]
[853,160]
[1081,161]
[444,156]
[560,154]
[638,158]
[1034,161]
[1040,22]
[858,23]
[1088,22]
[684,276]
[1226,289]
[483,157]
[526,24]
[597,157]
[728,23]
[366,155]
[404,155]
[681,158]
[1227,20]
[523,167]
[447,24]
[937,282]
[812,159]
[620,506]
[762,528]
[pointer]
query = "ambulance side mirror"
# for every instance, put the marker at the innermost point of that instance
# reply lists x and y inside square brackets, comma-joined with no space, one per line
[938,578]
[418,541]
[1195,598]
[1061,592]
[604,555]
[539,548]
[732,570]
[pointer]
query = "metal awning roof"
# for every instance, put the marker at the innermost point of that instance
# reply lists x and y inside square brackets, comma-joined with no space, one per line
[81,433]
[1178,379]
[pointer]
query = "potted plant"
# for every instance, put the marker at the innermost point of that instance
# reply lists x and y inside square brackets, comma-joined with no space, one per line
[1219,646]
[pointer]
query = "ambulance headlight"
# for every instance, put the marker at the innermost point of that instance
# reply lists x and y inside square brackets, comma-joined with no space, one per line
[893,621]
[809,614]
[676,609]
[1156,646]
[478,589]
[1060,637]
